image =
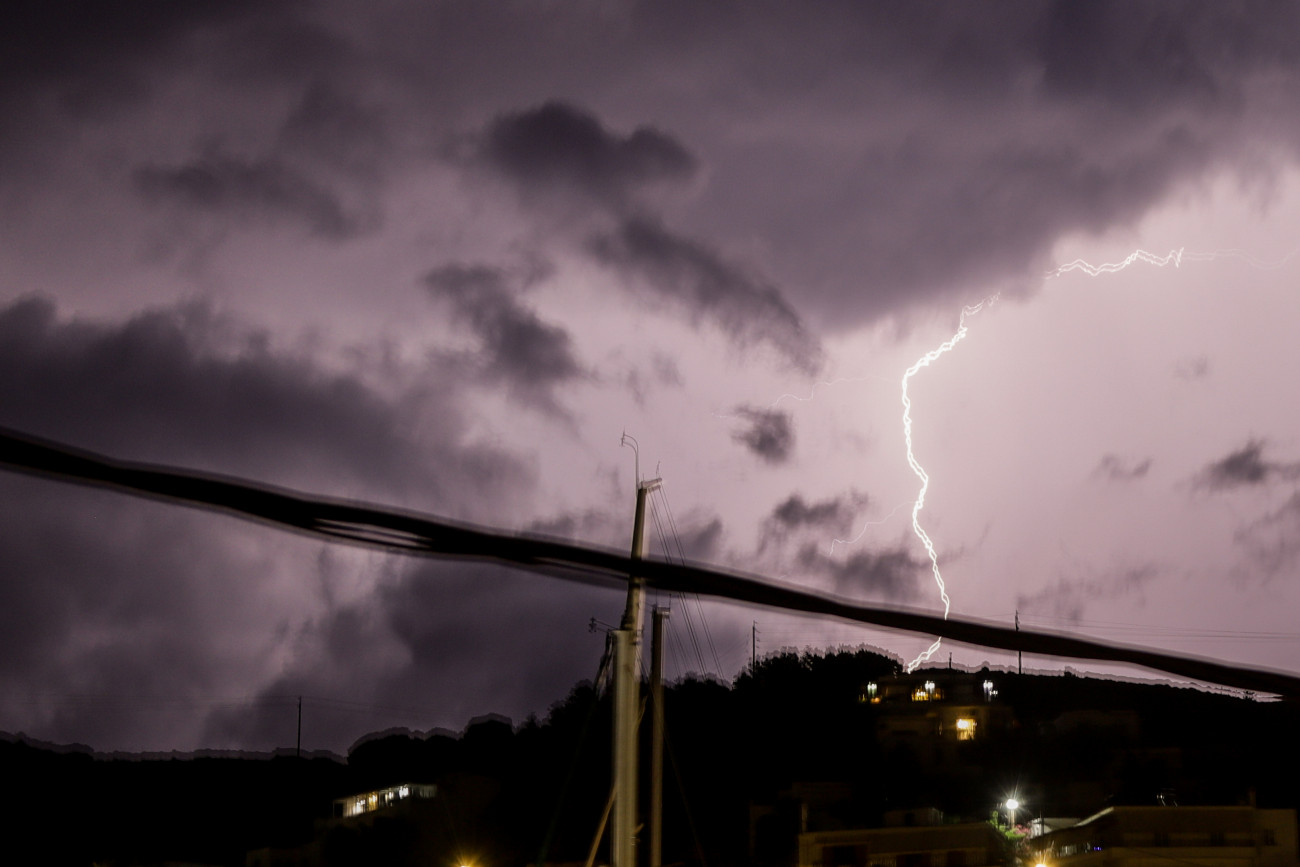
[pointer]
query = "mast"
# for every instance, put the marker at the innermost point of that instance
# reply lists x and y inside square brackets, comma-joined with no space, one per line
[627,698]
[658,616]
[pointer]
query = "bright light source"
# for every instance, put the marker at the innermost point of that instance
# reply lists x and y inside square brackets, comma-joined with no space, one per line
[965,724]
[1013,804]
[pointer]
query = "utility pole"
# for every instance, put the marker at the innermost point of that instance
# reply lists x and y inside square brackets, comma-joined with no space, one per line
[753,649]
[297,752]
[658,616]
[1020,656]
[627,698]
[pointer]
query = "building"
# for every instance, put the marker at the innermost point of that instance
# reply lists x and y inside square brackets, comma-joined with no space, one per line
[381,799]
[933,712]
[926,844]
[391,820]
[1158,836]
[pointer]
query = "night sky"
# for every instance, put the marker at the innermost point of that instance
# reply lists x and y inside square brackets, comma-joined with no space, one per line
[441,256]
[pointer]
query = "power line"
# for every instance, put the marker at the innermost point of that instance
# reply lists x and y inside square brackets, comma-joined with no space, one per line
[424,535]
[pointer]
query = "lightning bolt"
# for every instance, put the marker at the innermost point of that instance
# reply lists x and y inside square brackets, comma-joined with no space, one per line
[925,361]
[1173,257]
[863,532]
[813,393]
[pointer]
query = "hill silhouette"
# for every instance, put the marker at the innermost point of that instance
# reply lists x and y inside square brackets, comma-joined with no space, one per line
[793,744]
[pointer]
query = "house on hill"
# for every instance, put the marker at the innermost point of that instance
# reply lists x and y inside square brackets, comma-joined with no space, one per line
[1160,836]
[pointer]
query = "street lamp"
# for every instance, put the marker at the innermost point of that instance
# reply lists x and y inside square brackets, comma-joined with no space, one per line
[1012,804]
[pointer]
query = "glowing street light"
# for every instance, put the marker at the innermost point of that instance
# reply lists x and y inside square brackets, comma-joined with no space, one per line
[1012,805]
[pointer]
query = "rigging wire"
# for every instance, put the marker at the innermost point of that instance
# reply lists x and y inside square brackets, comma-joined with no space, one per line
[686,612]
[681,553]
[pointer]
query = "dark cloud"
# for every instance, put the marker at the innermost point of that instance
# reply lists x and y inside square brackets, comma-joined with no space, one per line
[769,433]
[338,127]
[1069,597]
[127,620]
[1019,126]
[1245,467]
[1121,469]
[890,574]
[185,386]
[794,511]
[266,190]
[823,519]
[561,146]
[416,652]
[530,355]
[96,50]
[1154,55]
[662,372]
[699,544]
[749,310]
[1059,119]
[1273,542]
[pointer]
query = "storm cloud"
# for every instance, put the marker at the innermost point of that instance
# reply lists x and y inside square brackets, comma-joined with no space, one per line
[184,385]
[768,433]
[894,574]
[1272,542]
[413,653]
[250,190]
[710,287]
[1244,468]
[561,146]
[729,202]
[1070,597]
[529,355]
[829,515]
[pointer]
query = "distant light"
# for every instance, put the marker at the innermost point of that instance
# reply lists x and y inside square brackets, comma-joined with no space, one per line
[1013,804]
[965,723]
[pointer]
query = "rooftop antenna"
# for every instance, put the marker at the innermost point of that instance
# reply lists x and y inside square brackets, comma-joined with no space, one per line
[630,441]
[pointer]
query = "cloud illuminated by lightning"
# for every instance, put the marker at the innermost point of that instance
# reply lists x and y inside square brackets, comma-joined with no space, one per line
[925,361]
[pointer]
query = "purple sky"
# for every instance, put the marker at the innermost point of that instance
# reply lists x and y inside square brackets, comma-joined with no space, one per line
[442,255]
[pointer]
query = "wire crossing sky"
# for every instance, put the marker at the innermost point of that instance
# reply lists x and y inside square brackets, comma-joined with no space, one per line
[372,525]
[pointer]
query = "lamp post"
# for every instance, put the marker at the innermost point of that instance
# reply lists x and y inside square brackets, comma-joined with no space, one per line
[1012,804]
